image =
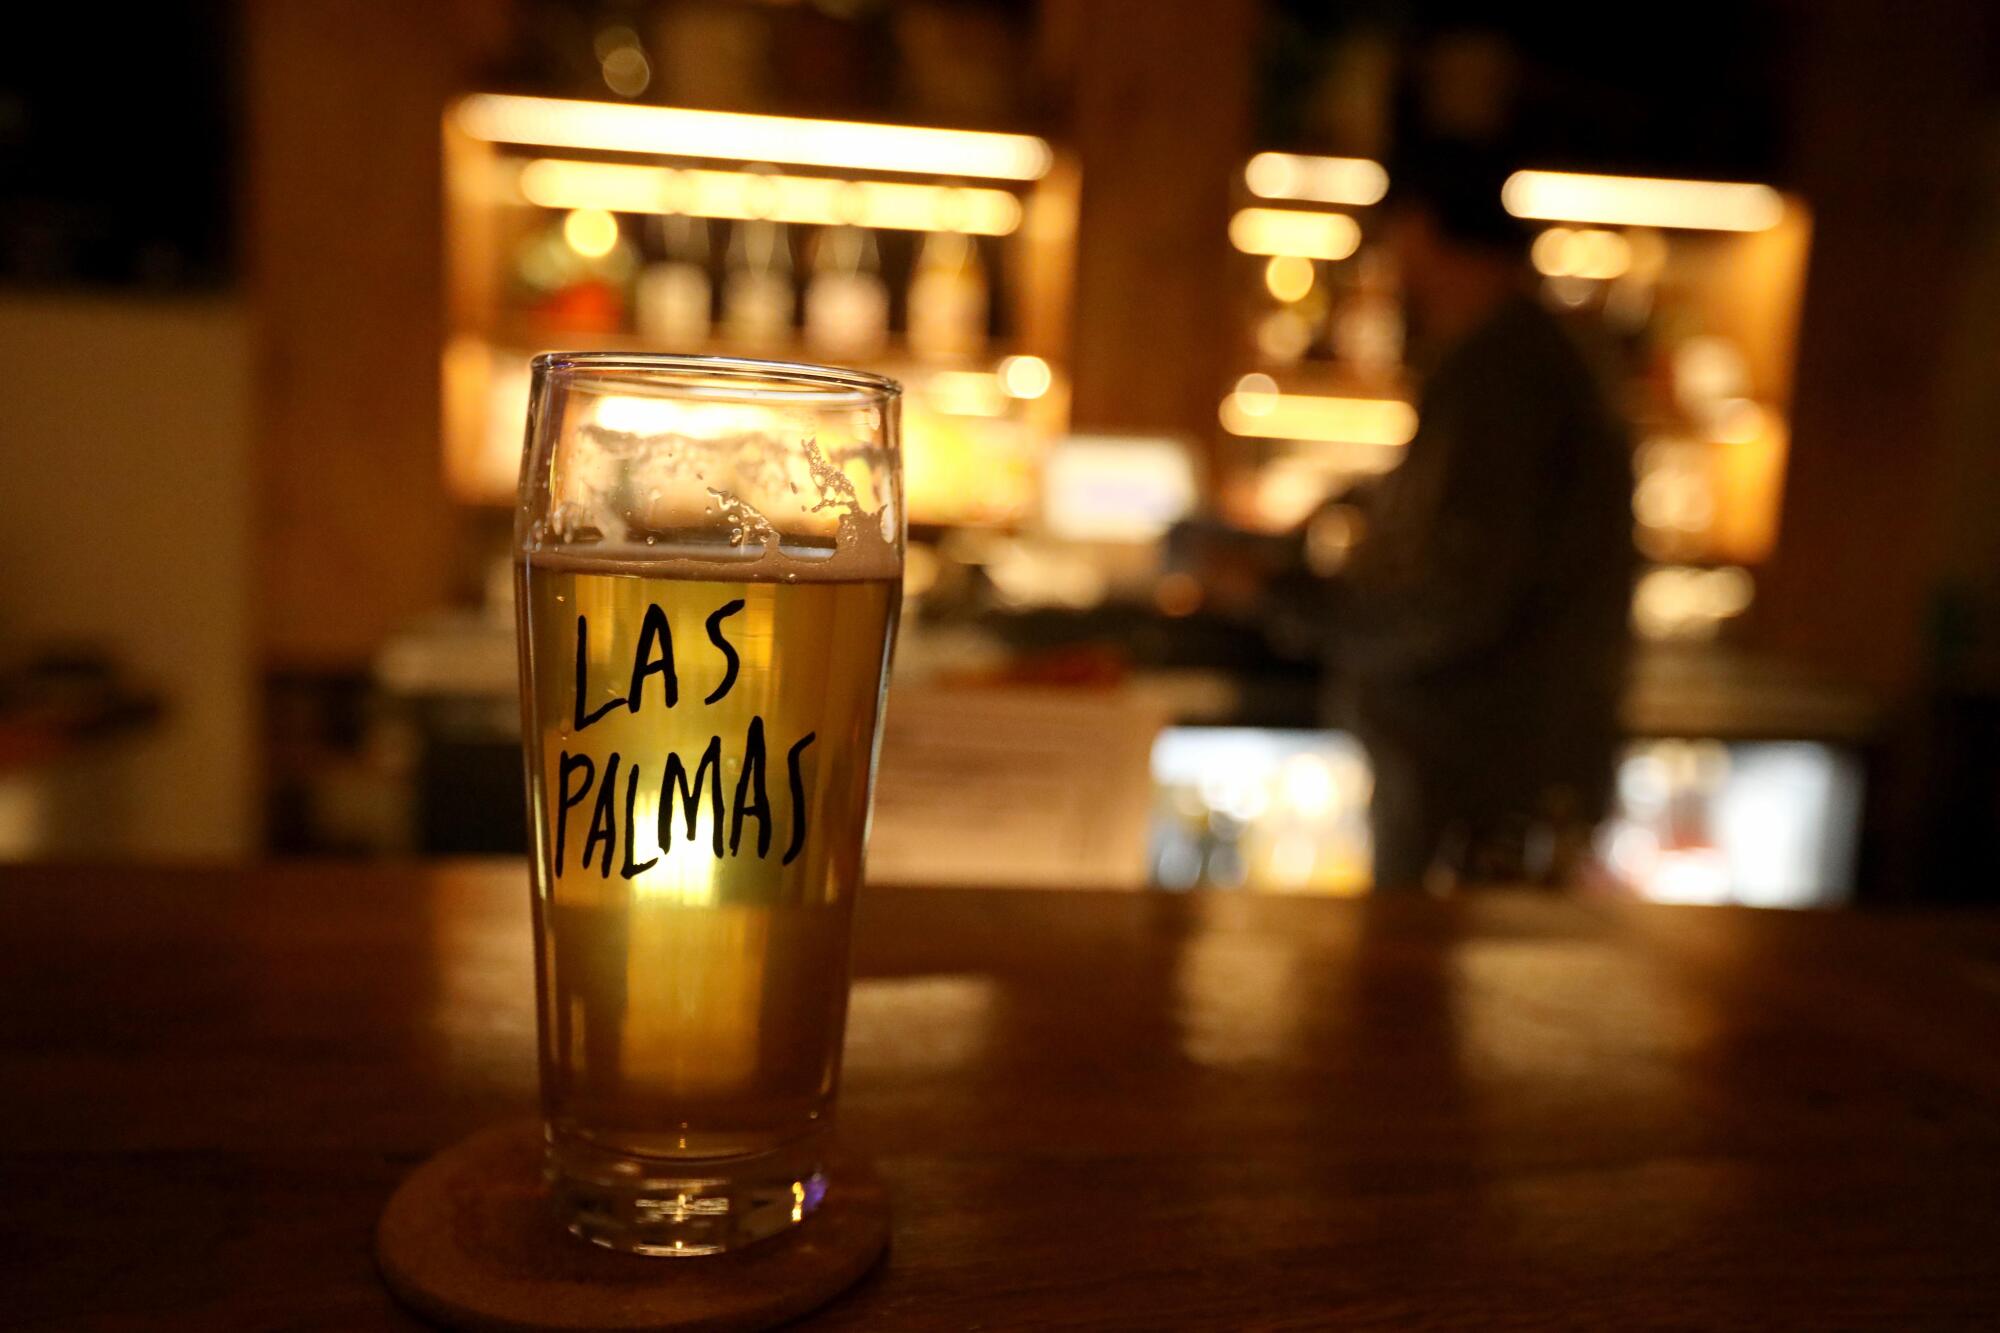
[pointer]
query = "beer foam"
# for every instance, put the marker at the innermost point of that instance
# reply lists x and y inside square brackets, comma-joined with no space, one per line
[860,553]
[658,563]
[821,533]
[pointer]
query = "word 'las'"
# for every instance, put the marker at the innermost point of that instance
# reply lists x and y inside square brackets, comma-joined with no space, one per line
[577,775]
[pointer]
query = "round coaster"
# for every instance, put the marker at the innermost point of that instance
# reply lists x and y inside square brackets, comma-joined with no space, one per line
[468,1241]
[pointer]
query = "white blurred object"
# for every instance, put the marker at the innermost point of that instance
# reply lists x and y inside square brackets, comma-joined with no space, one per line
[1787,821]
[1693,875]
[1763,824]
[1026,574]
[1279,811]
[1116,487]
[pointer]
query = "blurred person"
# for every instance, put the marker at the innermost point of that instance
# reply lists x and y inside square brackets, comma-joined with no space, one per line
[1481,617]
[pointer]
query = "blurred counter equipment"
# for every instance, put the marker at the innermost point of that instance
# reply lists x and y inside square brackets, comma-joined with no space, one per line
[1759,823]
[1055,744]
[1016,787]
[441,771]
[1742,783]
[63,716]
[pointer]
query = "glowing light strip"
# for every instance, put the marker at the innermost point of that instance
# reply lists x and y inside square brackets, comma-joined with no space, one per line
[811,200]
[1388,422]
[1641,201]
[734,136]
[1288,231]
[1319,180]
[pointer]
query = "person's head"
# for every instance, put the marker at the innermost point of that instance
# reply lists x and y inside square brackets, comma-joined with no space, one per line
[1442,219]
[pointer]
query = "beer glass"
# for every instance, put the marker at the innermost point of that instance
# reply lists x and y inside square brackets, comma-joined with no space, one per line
[708,569]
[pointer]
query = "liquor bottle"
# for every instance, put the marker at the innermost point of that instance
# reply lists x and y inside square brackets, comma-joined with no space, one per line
[947,298]
[757,294]
[674,297]
[847,303]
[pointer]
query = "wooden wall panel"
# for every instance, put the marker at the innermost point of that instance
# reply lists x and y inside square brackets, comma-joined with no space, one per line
[1887,123]
[354,532]
[1162,126]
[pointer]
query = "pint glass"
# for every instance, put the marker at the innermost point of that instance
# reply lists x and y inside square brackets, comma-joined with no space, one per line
[708,563]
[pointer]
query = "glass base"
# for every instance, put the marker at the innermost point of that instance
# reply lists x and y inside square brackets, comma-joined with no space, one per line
[682,1207]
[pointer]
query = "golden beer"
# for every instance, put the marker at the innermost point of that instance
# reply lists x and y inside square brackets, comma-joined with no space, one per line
[701,841]
[708,560]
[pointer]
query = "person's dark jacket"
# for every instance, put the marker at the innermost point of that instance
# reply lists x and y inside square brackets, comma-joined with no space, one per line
[1483,622]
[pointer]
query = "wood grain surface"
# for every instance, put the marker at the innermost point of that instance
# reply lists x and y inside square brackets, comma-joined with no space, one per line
[1091,1110]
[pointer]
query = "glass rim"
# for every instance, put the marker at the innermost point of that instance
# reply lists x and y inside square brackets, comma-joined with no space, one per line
[742,373]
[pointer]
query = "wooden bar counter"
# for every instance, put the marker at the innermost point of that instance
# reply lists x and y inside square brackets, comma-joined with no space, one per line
[1092,1110]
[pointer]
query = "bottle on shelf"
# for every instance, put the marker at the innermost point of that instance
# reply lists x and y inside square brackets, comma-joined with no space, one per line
[757,292]
[673,297]
[847,303]
[948,298]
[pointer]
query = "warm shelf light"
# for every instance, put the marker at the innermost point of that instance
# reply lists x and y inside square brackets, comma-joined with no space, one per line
[811,200]
[1288,278]
[1290,231]
[591,232]
[553,184]
[1025,376]
[1581,252]
[1641,201]
[1255,410]
[732,136]
[1319,180]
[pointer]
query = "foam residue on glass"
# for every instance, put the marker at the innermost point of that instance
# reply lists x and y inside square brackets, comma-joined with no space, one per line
[645,479]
